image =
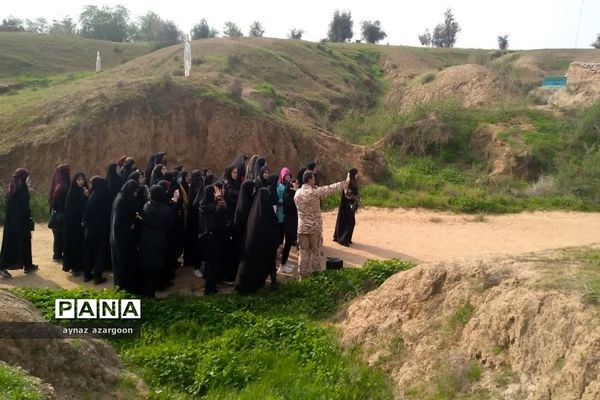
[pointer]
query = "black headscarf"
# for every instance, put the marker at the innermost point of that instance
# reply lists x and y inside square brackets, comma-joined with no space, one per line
[158,193]
[157,174]
[128,167]
[208,204]
[240,164]
[135,175]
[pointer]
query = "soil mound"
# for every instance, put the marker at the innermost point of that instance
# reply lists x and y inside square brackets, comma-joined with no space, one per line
[504,328]
[75,368]
[471,84]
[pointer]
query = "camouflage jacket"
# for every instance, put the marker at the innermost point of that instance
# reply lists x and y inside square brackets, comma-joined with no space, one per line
[308,202]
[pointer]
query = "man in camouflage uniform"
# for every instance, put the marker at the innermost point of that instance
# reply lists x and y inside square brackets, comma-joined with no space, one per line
[310,224]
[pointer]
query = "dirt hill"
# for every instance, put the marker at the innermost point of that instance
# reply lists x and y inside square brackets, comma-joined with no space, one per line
[279,98]
[502,328]
[74,368]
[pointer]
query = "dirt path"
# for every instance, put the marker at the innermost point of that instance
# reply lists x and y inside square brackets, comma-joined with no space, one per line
[417,235]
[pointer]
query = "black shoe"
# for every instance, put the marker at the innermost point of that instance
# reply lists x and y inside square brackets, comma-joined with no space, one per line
[100,281]
[87,278]
[57,258]
[31,268]
[5,274]
[76,273]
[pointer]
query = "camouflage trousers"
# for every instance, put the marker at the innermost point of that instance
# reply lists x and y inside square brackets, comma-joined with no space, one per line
[310,248]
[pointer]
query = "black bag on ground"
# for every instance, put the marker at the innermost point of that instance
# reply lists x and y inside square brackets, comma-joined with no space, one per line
[334,263]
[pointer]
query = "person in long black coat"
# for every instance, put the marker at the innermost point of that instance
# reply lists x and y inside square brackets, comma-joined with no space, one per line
[213,214]
[113,180]
[61,180]
[15,252]
[262,179]
[73,233]
[240,165]
[260,248]
[190,250]
[96,223]
[344,225]
[154,240]
[232,242]
[123,246]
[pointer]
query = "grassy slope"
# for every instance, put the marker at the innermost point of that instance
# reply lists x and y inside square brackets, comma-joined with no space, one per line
[27,55]
[333,87]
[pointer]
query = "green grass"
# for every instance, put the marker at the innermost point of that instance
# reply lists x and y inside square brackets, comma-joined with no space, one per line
[27,54]
[15,384]
[267,345]
[588,275]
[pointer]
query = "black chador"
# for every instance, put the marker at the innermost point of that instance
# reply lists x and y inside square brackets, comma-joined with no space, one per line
[154,240]
[213,213]
[190,251]
[260,246]
[73,229]
[232,242]
[242,210]
[96,222]
[16,240]
[123,246]
[344,226]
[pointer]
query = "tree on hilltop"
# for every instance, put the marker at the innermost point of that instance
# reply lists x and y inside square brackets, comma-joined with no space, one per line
[340,28]
[232,30]
[256,29]
[203,31]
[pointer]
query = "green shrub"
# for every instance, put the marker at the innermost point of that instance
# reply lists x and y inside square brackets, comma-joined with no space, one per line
[427,78]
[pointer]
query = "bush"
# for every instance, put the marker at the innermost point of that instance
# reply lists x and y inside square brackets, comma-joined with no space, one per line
[235,89]
[427,78]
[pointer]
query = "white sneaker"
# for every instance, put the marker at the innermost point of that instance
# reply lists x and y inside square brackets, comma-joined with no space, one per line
[288,268]
[198,273]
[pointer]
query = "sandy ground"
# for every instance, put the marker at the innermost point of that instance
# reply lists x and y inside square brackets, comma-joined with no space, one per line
[417,235]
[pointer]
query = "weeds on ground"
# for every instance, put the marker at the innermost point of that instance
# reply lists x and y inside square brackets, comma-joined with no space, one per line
[271,344]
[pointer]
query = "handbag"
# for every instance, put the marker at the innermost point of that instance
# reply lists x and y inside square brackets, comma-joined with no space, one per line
[56,220]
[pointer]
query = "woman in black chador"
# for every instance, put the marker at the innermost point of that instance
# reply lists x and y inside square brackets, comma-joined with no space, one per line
[128,169]
[96,222]
[260,248]
[74,208]
[190,251]
[123,245]
[244,204]
[16,240]
[213,213]
[344,226]
[56,200]
[157,227]
[232,244]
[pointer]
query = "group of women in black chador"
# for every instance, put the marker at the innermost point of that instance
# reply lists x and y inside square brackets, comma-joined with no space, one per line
[141,222]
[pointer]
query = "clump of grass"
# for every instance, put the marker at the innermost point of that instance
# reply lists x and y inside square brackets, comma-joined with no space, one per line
[17,385]
[461,317]
[429,77]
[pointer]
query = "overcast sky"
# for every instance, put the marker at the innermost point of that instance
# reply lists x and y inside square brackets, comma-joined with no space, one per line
[530,23]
